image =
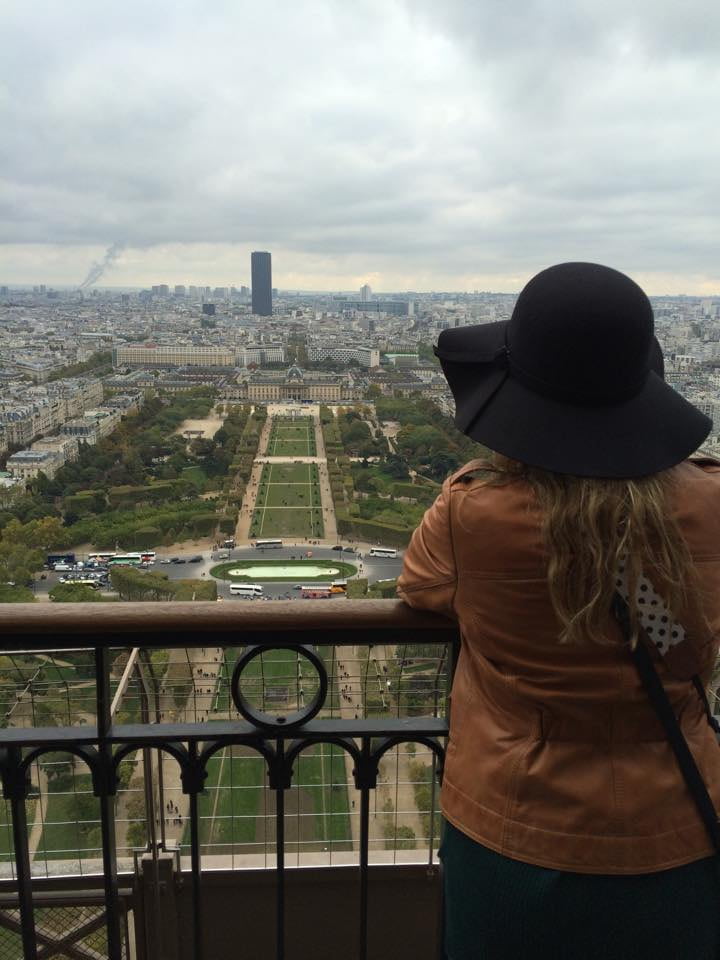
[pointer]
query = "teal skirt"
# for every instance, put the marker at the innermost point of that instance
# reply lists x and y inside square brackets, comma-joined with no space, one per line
[502,909]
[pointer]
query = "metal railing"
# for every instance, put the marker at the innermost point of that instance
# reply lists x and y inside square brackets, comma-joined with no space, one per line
[280,739]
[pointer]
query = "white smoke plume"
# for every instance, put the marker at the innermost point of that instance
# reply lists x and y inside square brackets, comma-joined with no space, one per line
[99,267]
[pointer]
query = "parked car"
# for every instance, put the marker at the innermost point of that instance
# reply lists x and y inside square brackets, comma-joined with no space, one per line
[175,560]
[337,547]
[180,560]
[298,586]
[195,559]
[166,560]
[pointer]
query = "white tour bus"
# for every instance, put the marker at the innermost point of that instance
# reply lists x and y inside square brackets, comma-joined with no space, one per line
[388,552]
[265,544]
[101,557]
[246,590]
[125,560]
[140,558]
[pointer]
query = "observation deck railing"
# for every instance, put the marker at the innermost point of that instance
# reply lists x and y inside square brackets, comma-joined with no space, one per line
[297,627]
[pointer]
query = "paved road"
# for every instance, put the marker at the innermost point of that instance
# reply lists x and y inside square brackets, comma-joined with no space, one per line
[373,568]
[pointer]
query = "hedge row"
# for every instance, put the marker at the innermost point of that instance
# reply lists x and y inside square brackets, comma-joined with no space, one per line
[84,502]
[373,531]
[156,492]
[383,591]
[133,584]
[414,491]
[357,589]
[174,522]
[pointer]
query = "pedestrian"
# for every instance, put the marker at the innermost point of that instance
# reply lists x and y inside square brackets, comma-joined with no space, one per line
[553,841]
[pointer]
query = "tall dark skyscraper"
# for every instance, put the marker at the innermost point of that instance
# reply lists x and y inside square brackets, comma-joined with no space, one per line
[261,269]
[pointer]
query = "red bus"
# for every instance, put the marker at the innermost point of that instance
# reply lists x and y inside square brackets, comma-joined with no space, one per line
[320,592]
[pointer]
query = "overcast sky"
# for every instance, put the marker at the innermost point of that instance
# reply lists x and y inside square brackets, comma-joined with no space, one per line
[411,144]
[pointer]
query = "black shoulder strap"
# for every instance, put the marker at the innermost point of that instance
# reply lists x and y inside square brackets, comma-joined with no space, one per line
[659,699]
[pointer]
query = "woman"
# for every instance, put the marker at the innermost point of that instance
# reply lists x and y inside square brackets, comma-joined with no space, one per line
[568,828]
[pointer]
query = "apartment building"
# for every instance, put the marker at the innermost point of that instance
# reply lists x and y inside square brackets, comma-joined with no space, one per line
[342,353]
[267,353]
[64,447]
[41,410]
[172,355]
[26,464]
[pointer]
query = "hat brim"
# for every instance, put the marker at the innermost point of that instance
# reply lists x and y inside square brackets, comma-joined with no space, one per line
[653,431]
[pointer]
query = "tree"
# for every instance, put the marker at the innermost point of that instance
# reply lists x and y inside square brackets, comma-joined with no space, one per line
[16,594]
[74,593]
[47,533]
[396,467]
[400,837]
[17,560]
[442,464]
[137,585]
[137,831]
[201,447]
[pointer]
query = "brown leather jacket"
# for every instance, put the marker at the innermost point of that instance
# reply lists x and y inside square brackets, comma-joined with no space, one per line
[555,756]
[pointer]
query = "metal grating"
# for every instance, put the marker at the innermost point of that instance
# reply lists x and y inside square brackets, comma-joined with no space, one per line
[63,933]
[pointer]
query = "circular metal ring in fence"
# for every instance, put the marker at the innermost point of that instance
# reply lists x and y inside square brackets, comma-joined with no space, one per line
[257,686]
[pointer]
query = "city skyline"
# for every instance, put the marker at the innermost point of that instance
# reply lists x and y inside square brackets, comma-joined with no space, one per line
[376,294]
[461,147]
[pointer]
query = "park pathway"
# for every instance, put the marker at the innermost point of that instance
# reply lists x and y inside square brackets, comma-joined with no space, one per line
[329,519]
[394,779]
[203,665]
[39,818]
[249,502]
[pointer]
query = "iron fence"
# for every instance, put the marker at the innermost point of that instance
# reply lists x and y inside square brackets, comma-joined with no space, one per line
[321,694]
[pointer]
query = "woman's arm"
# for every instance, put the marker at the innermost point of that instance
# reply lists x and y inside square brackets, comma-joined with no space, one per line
[429,578]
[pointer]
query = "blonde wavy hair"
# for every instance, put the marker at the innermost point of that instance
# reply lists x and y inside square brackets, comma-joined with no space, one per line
[593,526]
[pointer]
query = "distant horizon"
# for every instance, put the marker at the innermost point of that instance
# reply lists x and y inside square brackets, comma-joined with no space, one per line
[298,291]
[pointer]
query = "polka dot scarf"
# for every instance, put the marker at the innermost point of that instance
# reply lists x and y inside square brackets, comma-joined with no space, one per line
[653,615]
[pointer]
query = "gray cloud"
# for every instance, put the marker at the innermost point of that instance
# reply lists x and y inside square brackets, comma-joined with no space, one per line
[417,139]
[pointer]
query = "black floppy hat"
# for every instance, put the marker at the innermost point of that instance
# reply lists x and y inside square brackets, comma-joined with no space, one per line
[573,381]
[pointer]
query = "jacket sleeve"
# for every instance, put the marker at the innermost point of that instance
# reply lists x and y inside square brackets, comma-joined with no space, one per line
[429,577]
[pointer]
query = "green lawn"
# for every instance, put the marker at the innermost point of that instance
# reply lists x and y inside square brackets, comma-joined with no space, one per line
[234,810]
[289,495]
[221,704]
[292,428]
[289,473]
[6,835]
[288,502]
[292,438]
[317,806]
[72,821]
[229,807]
[291,448]
[196,476]
[287,522]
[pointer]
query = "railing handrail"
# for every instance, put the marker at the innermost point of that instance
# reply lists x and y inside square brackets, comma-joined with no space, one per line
[300,626]
[169,623]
